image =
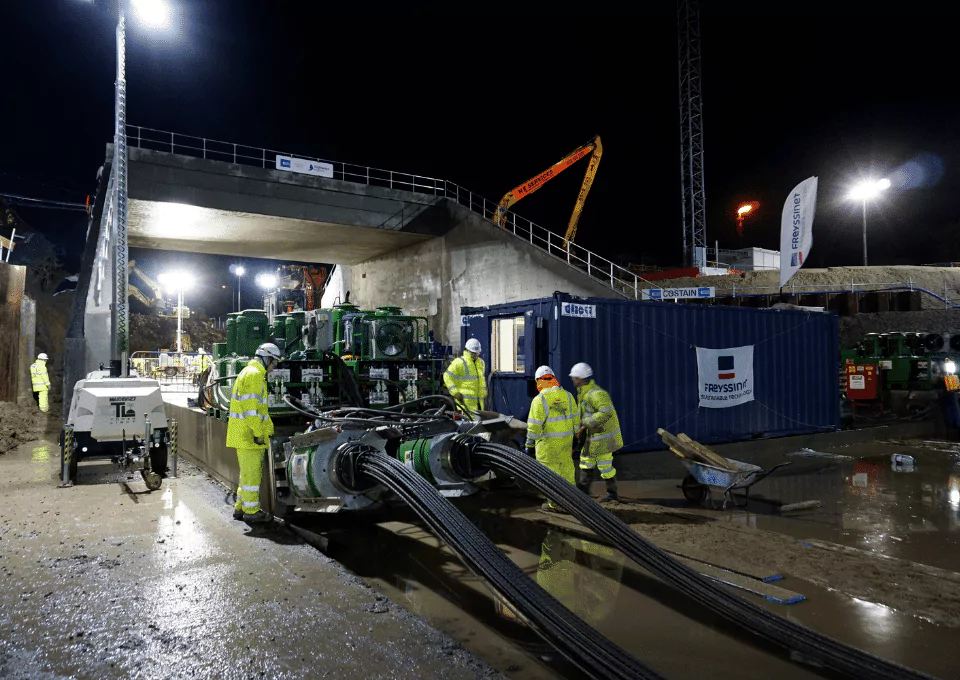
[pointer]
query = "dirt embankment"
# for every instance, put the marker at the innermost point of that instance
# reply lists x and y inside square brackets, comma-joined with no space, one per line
[150,333]
[22,423]
[935,279]
[853,328]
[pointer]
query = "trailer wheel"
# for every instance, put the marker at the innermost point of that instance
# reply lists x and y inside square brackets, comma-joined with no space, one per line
[151,479]
[170,371]
[693,490]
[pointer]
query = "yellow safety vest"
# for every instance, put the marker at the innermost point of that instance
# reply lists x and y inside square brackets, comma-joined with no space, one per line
[552,422]
[600,418]
[38,375]
[249,418]
[466,378]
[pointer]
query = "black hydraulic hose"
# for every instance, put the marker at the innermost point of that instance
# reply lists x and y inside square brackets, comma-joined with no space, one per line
[820,649]
[594,654]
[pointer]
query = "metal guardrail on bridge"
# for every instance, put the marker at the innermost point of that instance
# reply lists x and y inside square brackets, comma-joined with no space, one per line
[621,280]
[175,372]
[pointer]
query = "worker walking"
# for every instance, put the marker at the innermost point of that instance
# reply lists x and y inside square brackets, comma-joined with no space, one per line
[551,424]
[248,429]
[465,377]
[41,381]
[601,427]
[203,359]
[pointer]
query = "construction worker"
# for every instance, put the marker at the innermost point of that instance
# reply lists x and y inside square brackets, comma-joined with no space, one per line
[41,381]
[203,359]
[601,428]
[551,424]
[465,378]
[248,429]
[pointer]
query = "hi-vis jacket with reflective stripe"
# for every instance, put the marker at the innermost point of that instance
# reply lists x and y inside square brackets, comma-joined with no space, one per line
[600,418]
[38,375]
[465,377]
[552,422]
[248,408]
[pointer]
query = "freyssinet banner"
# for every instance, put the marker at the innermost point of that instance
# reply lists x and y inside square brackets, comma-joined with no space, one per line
[726,376]
[796,228]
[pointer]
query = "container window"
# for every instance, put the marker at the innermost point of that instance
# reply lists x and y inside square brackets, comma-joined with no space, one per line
[507,348]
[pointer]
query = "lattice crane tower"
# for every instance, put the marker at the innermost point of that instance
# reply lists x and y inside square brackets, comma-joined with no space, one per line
[691,134]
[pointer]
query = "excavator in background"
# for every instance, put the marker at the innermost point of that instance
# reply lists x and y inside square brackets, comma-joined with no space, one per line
[299,288]
[593,147]
[158,301]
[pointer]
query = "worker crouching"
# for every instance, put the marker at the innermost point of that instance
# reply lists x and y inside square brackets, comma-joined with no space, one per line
[248,429]
[601,428]
[551,424]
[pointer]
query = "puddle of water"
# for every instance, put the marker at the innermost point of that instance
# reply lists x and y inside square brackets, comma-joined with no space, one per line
[637,612]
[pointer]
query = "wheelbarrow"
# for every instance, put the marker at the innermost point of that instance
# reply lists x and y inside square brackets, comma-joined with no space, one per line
[698,485]
[708,471]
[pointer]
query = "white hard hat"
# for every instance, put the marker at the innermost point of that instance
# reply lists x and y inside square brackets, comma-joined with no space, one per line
[43,356]
[544,370]
[473,345]
[201,351]
[581,371]
[268,349]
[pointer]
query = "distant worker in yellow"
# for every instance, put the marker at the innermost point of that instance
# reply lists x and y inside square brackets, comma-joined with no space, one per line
[551,424]
[248,429]
[203,359]
[600,425]
[465,377]
[41,381]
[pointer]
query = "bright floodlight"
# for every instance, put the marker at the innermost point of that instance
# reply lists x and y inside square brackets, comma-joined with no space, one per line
[176,280]
[950,367]
[868,189]
[266,281]
[239,271]
[152,13]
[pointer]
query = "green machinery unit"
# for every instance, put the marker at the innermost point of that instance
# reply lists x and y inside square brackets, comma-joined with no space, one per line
[388,354]
[907,361]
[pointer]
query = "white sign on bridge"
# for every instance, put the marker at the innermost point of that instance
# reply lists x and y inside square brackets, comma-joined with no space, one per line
[307,167]
[678,293]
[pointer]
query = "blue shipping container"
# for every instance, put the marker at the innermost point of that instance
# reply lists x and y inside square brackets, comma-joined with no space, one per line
[645,355]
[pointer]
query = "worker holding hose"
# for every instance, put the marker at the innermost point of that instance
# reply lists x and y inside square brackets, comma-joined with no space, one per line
[249,427]
[465,379]
[601,428]
[551,424]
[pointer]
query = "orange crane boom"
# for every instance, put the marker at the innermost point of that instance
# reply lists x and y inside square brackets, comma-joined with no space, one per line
[593,146]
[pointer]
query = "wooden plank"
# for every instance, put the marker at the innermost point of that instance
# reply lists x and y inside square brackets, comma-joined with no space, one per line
[682,449]
[767,591]
[917,567]
[708,453]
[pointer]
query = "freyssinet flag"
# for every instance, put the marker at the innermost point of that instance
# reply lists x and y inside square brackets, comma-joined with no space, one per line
[726,376]
[796,228]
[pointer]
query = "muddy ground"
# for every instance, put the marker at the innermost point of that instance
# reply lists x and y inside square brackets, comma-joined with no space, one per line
[22,422]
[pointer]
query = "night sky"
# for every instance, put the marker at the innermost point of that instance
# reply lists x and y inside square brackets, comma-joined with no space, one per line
[488,102]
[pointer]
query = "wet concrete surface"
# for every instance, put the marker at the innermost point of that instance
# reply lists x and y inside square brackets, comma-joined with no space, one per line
[108,580]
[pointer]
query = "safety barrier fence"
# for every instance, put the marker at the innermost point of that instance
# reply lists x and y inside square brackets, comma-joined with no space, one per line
[620,279]
[175,372]
[839,289]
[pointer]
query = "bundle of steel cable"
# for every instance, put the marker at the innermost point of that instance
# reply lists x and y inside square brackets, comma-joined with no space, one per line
[815,647]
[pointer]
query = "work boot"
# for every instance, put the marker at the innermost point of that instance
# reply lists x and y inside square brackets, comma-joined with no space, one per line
[583,481]
[259,517]
[238,514]
[553,509]
[612,493]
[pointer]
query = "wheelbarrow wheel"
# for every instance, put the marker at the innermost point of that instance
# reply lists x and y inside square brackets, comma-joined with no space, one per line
[693,490]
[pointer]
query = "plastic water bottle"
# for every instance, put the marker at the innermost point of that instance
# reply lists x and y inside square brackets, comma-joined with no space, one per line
[901,459]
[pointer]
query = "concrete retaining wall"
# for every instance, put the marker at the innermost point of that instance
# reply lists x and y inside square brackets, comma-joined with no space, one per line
[474,264]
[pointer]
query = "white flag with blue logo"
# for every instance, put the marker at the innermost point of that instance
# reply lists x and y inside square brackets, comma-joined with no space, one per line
[726,376]
[796,228]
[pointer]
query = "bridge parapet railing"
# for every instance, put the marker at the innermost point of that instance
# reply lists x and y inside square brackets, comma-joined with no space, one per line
[606,272]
